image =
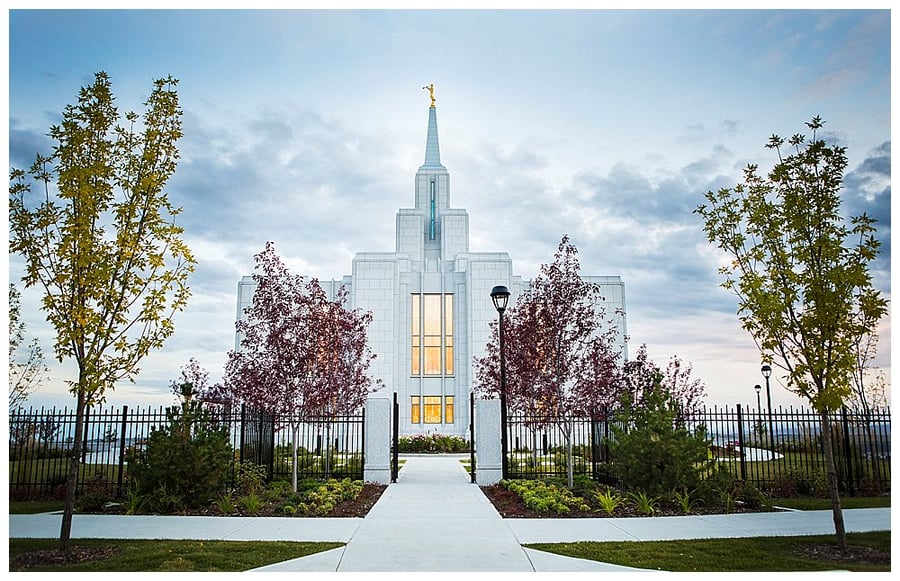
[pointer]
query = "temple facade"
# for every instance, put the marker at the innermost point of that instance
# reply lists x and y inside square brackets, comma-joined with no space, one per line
[431,304]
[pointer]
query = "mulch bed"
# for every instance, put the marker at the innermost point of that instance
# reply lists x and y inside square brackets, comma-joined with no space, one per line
[358,507]
[54,557]
[510,505]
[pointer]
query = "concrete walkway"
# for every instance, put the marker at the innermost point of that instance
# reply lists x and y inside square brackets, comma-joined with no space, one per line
[434,520]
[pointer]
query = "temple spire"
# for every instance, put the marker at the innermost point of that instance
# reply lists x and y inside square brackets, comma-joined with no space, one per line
[432,148]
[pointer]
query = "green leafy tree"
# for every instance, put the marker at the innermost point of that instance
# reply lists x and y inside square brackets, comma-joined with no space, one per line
[800,273]
[101,242]
[25,374]
[655,451]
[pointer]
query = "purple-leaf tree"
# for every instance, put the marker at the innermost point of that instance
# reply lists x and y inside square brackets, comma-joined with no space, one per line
[302,357]
[561,362]
[641,376]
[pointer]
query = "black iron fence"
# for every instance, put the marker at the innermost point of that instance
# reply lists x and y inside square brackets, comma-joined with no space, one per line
[41,442]
[781,452]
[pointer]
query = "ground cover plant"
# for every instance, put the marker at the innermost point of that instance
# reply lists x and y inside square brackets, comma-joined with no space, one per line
[865,552]
[313,498]
[110,555]
[550,498]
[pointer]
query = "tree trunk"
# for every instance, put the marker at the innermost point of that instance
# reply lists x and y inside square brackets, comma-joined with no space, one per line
[65,532]
[831,472]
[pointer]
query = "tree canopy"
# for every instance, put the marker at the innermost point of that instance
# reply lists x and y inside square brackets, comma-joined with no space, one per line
[300,354]
[100,240]
[801,274]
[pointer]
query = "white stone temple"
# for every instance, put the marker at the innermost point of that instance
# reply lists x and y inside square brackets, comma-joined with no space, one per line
[431,304]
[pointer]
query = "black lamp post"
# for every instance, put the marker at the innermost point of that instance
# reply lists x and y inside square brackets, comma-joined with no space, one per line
[766,370]
[757,428]
[500,296]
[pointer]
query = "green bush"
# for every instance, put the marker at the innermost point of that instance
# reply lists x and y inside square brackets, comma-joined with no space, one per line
[542,496]
[795,483]
[653,451]
[97,492]
[251,478]
[320,498]
[185,464]
[432,443]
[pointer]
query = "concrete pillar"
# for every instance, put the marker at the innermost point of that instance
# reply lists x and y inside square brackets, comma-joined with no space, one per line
[378,441]
[488,451]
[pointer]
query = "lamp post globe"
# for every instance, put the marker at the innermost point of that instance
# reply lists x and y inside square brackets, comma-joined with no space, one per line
[500,298]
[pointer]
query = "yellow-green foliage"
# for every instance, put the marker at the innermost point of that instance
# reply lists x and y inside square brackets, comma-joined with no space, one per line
[322,499]
[544,497]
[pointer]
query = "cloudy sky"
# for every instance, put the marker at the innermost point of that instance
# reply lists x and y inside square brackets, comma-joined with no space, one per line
[307,127]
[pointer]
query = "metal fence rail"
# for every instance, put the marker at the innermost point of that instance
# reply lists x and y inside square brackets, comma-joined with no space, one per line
[781,452]
[41,442]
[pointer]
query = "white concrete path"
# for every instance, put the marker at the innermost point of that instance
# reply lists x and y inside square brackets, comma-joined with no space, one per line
[434,520]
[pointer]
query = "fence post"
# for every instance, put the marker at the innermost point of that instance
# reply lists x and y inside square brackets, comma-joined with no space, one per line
[122,449]
[487,443]
[378,441]
[395,439]
[741,443]
[472,464]
[243,428]
[848,452]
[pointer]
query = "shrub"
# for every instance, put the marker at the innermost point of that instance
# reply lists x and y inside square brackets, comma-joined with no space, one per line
[542,496]
[320,498]
[251,478]
[794,483]
[97,492]
[185,463]
[432,443]
[654,451]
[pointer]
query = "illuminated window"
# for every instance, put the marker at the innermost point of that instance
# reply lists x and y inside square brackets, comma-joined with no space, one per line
[448,409]
[415,410]
[431,330]
[432,409]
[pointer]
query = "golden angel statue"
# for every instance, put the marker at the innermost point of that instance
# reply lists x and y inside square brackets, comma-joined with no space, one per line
[430,92]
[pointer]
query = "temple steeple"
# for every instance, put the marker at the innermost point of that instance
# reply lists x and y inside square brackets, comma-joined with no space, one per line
[432,148]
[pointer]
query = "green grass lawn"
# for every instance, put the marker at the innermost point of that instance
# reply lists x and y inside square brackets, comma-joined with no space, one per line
[720,555]
[825,503]
[172,556]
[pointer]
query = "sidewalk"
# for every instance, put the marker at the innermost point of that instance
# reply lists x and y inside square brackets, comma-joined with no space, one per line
[434,520]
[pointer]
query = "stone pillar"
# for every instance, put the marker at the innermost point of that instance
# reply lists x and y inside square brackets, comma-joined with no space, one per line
[378,441]
[488,451]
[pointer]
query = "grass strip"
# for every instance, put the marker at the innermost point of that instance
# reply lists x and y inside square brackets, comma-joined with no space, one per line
[174,556]
[721,555]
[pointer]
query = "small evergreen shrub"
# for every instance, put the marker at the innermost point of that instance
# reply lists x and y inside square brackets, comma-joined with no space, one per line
[185,463]
[653,450]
